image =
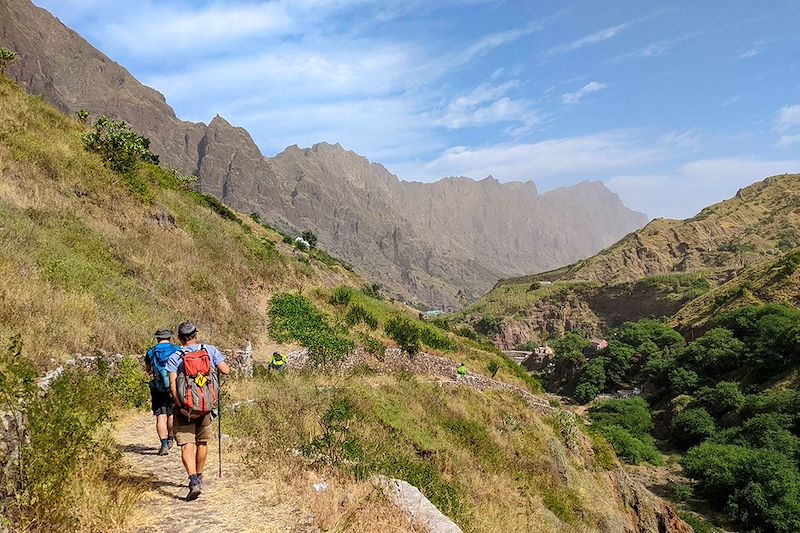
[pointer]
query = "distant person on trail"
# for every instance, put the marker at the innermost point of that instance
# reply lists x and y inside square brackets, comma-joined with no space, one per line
[160,397]
[194,383]
[277,362]
[461,370]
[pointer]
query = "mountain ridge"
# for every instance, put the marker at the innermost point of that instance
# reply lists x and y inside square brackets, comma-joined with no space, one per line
[388,228]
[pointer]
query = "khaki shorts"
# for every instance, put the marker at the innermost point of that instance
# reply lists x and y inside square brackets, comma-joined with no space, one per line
[191,431]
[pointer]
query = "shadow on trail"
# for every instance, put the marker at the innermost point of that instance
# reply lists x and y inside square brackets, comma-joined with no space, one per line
[138,449]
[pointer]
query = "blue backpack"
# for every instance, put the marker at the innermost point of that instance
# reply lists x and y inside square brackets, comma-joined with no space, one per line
[158,356]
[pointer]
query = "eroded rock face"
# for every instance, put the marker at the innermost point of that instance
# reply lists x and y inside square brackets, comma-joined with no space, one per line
[441,243]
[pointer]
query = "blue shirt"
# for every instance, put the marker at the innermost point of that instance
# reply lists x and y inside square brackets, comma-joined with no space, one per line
[175,363]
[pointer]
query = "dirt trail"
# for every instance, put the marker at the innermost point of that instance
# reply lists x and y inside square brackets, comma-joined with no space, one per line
[234,503]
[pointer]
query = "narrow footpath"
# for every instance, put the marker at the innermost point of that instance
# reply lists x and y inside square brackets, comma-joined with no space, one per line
[236,502]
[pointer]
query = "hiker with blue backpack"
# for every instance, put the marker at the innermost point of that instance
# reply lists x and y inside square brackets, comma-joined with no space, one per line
[160,397]
[194,384]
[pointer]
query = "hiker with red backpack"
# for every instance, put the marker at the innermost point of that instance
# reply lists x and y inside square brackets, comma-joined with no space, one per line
[160,397]
[194,383]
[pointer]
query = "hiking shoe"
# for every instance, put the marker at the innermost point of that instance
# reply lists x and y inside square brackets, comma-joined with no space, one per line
[194,489]
[164,450]
[171,443]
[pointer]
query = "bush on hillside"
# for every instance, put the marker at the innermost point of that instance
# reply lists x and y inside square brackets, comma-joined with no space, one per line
[629,448]
[404,332]
[6,57]
[632,414]
[372,290]
[433,338]
[683,381]
[489,325]
[310,238]
[118,145]
[713,354]
[293,318]
[692,427]
[67,430]
[341,296]
[357,314]
[467,332]
[569,347]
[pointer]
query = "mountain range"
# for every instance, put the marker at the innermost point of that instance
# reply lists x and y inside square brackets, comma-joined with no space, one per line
[441,244]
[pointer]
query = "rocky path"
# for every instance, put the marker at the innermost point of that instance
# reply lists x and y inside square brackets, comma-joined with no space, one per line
[236,502]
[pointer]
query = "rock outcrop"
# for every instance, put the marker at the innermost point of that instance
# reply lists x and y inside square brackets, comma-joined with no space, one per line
[442,243]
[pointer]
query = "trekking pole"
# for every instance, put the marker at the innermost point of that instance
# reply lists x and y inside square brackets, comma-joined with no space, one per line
[219,424]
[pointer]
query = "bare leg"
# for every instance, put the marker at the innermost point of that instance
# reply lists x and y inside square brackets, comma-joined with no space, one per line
[202,453]
[170,430]
[188,458]
[161,426]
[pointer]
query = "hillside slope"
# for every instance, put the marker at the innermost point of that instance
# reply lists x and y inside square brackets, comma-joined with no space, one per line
[761,221]
[441,244]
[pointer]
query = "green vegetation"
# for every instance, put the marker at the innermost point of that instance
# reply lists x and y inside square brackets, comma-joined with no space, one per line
[6,57]
[310,238]
[68,472]
[294,318]
[626,425]
[447,443]
[118,145]
[719,397]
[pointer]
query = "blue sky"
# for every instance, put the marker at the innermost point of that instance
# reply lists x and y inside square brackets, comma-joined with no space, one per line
[674,105]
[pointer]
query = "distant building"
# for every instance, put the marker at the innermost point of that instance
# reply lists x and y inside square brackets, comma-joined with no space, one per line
[544,351]
[598,344]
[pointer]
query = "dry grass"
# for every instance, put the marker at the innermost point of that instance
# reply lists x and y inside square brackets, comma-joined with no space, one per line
[85,264]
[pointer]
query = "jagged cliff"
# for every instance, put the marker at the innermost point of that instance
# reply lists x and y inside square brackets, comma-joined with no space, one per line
[440,243]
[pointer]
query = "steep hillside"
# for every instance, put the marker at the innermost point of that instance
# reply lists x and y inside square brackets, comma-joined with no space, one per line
[440,244]
[773,281]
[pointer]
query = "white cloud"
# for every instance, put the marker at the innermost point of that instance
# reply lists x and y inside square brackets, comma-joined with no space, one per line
[789,116]
[591,39]
[577,157]
[653,50]
[489,103]
[589,88]
[752,51]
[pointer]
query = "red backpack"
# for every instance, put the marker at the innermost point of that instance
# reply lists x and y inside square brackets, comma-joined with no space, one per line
[197,385]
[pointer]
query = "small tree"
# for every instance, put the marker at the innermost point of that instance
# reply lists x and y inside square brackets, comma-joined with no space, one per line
[404,332]
[693,426]
[310,238]
[493,367]
[120,147]
[6,57]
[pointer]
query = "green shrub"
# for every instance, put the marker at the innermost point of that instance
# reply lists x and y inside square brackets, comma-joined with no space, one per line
[493,367]
[604,455]
[287,239]
[629,448]
[467,332]
[592,381]
[489,325]
[372,290]
[118,145]
[294,318]
[215,205]
[570,347]
[404,332]
[725,396]
[310,238]
[357,314]
[372,345]
[683,381]
[435,339]
[692,427]
[632,414]
[341,296]
[6,57]
[683,492]
[759,488]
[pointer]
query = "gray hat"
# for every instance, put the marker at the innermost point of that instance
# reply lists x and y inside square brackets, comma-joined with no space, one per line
[163,334]
[186,329]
